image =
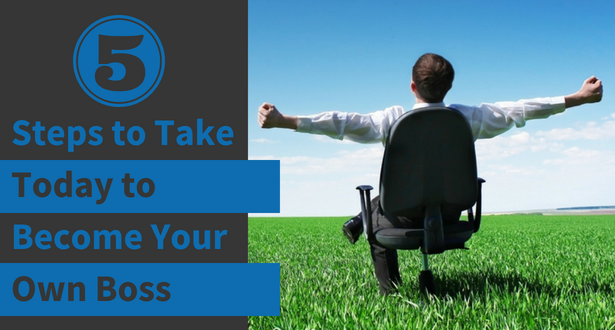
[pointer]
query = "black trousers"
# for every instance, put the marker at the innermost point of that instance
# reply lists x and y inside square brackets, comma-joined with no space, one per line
[385,260]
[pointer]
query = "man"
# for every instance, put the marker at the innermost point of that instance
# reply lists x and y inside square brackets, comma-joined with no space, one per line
[432,78]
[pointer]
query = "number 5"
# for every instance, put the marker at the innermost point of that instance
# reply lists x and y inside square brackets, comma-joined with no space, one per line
[135,70]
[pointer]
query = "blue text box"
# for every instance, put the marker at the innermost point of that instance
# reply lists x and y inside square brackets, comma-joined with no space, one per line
[180,186]
[226,289]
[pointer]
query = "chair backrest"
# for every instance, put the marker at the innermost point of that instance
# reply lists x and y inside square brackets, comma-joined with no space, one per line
[429,160]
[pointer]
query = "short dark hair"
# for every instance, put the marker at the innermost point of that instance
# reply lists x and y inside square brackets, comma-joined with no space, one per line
[433,76]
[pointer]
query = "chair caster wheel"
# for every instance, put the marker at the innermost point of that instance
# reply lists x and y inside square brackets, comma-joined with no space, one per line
[426,282]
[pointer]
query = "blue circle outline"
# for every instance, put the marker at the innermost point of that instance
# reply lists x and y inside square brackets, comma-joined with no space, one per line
[76,61]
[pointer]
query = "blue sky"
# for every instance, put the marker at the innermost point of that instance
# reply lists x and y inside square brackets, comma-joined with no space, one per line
[308,57]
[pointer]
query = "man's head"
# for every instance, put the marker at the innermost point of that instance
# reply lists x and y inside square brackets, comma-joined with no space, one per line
[432,78]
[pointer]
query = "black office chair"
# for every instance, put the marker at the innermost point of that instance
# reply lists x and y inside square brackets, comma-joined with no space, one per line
[429,167]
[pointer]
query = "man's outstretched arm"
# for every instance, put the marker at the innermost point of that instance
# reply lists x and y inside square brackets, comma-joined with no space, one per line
[492,119]
[362,128]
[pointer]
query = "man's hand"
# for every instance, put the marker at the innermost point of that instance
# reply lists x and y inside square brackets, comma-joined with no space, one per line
[590,92]
[269,117]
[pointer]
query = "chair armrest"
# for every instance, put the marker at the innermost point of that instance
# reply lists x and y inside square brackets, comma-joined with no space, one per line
[478,204]
[366,211]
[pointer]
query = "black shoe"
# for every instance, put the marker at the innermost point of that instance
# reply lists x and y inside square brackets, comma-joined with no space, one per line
[353,229]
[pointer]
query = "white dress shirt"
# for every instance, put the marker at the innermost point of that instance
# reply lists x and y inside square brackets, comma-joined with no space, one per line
[487,120]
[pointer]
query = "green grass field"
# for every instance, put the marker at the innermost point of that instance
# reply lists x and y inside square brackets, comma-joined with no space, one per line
[521,272]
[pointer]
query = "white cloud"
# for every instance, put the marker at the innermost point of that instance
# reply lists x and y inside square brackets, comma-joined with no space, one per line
[574,177]
[262,141]
[521,138]
[268,157]
[583,160]
[501,147]
[359,161]
[542,141]
[590,131]
[505,169]
[326,139]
